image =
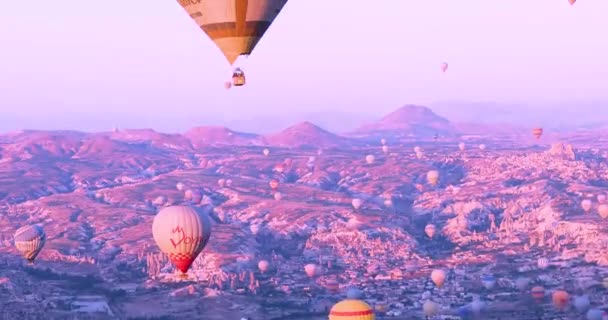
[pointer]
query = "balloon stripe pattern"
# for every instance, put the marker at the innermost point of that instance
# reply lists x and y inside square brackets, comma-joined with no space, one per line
[236,26]
[181,232]
[29,240]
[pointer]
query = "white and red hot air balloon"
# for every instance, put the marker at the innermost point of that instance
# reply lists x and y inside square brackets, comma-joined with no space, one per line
[29,240]
[181,232]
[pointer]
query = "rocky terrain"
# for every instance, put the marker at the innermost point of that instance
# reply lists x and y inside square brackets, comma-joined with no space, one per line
[512,210]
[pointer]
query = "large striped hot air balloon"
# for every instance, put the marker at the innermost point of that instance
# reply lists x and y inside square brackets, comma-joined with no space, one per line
[181,232]
[29,240]
[351,309]
[235,26]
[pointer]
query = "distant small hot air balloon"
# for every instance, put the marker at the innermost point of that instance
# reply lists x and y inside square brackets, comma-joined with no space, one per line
[582,303]
[538,293]
[383,141]
[482,147]
[388,203]
[280,168]
[227,85]
[274,184]
[560,299]
[432,177]
[586,205]
[417,149]
[29,241]
[370,159]
[601,198]
[310,270]
[461,146]
[572,2]
[430,230]
[181,232]
[263,266]
[193,196]
[221,182]
[229,183]
[351,309]
[438,277]
[356,203]
[605,282]
[278,196]
[180,186]
[542,263]
[602,209]
[266,152]
[430,308]
[332,286]
[444,67]
[255,229]
[596,314]
[537,132]
[385,149]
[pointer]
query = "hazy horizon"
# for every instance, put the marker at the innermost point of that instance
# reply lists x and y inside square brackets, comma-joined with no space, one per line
[91,67]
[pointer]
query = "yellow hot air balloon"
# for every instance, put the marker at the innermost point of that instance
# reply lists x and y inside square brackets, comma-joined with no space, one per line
[181,232]
[29,240]
[351,309]
[537,132]
[444,67]
[235,26]
[438,277]
[432,177]
[430,230]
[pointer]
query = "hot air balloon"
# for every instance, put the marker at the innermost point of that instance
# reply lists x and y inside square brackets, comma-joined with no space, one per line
[537,132]
[461,146]
[385,149]
[29,240]
[482,147]
[538,293]
[542,263]
[432,177]
[444,67]
[278,196]
[229,183]
[181,232]
[255,229]
[430,230]
[263,266]
[266,152]
[280,168]
[274,184]
[417,149]
[586,205]
[221,182]
[560,299]
[595,314]
[383,141]
[602,209]
[430,308]
[370,158]
[227,85]
[356,203]
[236,26]
[351,309]
[582,303]
[354,293]
[180,186]
[601,198]
[488,281]
[238,77]
[193,196]
[605,282]
[332,286]
[388,203]
[438,277]
[572,2]
[310,270]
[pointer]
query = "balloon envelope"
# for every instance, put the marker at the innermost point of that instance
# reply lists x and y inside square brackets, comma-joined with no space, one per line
[432,177]
[30,240]
[438,277]
[235,26]
[586,205]
[444,67]
[181,232]
[263,265]
[537,132]
[310,269]
[430,230]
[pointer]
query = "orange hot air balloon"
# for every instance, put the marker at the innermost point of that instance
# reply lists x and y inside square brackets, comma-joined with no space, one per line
[430,230]
[538,293]
[181,232]
[274,184]
[537,132]
[438,277]
[560,299]
[351,309]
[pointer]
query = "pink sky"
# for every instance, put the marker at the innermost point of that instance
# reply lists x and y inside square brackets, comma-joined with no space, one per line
[93,64]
